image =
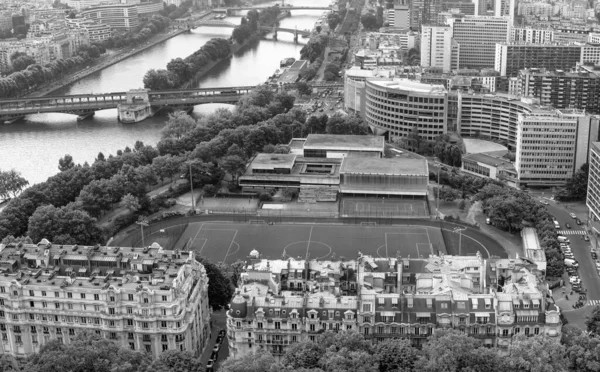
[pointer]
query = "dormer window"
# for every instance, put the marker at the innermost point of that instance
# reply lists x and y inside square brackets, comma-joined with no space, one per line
[394,301]
[525,306]
[516,305]
[409,302]
[535,305]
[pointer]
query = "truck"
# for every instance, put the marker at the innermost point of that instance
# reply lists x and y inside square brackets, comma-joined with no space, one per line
[569,262]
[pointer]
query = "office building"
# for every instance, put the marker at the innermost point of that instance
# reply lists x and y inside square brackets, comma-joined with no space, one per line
[436,47]
[552,146]
[95,31]
[513,57]
[148,299]
[531,35]
[402,16]
[120,17]
[411,298]
[594,37]
[477,37]
[562,89]
[396,108]
[505,8]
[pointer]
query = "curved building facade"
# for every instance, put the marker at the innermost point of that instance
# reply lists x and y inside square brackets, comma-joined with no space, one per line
[394,108]
[120,17]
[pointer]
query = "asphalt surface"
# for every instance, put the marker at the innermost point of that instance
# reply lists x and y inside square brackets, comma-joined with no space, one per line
[580,248]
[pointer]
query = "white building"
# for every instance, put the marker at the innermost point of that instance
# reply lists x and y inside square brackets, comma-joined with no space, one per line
[477,37]
[436,47]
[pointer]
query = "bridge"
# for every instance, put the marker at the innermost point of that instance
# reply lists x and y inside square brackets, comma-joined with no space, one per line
[241,8]
[133,106]
[275,30]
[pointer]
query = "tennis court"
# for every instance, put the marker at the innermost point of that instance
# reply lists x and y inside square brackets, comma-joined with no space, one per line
[383,207]
[229,242]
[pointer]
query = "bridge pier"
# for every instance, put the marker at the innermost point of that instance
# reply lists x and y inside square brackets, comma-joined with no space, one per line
[85,115]
[13,119]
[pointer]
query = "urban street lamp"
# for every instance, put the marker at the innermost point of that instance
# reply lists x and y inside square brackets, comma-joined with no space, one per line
[459,230]
[142,222]
[437,202]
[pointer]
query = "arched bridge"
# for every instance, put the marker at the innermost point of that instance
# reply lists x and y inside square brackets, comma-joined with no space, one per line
[85,105]
[219,23]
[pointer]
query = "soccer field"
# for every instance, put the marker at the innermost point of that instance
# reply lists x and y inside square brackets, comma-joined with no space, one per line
[229,241]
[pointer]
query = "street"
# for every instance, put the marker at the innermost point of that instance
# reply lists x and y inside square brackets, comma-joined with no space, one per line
[581,248]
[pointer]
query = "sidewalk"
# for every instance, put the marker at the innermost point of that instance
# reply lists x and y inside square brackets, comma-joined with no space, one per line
[219,320]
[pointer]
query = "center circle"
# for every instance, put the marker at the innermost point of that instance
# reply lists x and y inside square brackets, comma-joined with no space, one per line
[297,250]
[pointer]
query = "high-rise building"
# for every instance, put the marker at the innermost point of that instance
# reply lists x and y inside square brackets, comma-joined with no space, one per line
[477,37]
[513,57]
[593,190]
[562,89]
[505,8]
[531,35]
[402,16]
[550,148]
[436,47]
[147,299]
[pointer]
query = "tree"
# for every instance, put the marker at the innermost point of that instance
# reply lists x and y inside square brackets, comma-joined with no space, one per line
[369,21]
[259,360]
[158,80]
[130,202]
[176,361]
[220,289]
[50,222]
[11,183]
[446,194]
[178,125]
[66,162]
[592,321]
[536,354]
[340,124]
[303,88]
[583,353]
[576,187]
[233,165]
[333,19]
[396,355]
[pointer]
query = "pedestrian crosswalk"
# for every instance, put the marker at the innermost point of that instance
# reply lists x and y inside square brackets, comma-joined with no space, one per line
[572,232]
[593,302]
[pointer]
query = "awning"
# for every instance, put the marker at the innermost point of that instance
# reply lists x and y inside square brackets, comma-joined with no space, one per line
[535,301]
[527,313]
[474,302]
[423,315]
[388,313]
[488,302]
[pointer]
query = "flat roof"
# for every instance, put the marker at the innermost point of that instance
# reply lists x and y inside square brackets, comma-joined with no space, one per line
[410,85]
[530,239]
[403,166]
[271,161]
[344,142]
[490,160]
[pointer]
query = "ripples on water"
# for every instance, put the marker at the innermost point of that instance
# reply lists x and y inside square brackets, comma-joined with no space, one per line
[34,145]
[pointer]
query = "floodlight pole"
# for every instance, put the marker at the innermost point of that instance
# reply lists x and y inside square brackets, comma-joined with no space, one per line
[459,231]
[142,223]
[192,188]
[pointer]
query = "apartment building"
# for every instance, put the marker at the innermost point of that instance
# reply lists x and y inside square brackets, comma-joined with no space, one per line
[513,57]
[120,17]
[436,47]
[562,89]
[477,37]
[37,49]
[396,107]
[147,299]
[95,31]
[396,297]
[551,146]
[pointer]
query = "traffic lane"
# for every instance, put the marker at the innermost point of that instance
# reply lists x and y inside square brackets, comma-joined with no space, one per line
[581,251]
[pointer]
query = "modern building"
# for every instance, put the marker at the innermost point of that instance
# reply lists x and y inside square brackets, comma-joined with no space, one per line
[551,147]
[505,8]
[513,57]
[147,299]
[562,89]
[531,35]
[477,37]
[398,107]
[593,190]
[436,47]
[322,166]
[412,298]
[95,31]
[121,17]
[490,166]
[402,16]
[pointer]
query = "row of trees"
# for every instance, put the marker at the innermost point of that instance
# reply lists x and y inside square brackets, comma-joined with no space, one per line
[173,12]
[511,209]
[35,75]
[576,187]
[179,71]
[140,34]
[372,21]
[11,184]
[448,153]
[446,351]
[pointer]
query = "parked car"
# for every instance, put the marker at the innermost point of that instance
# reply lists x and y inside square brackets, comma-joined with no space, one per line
[488,221]
[210,365]
[216,348]
[222,333]
[568,226]
[545,202]
[572,215]
[586,238]
[578,221]
[594,255]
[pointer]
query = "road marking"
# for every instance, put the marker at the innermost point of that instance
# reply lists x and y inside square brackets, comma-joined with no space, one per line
[231,245]
[572,232]
[308,243]
[593,302]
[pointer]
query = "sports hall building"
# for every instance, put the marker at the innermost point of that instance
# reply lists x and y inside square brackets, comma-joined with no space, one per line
[322,166]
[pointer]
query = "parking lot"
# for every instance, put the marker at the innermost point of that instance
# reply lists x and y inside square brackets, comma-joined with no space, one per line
[326,101]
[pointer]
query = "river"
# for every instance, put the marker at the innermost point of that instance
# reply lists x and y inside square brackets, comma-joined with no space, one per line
[34,145]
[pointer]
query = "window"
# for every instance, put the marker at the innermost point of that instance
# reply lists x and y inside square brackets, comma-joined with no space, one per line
[44,293]
[69,295]
[366,307]
[71,332]
[260,325]
[130,322]
[145,312]
[517,330]
[56,305]
[31,293]
[31,304]
[130,336]
[277,325]
[132,346]
[526,331]
[45,330]
[294,327]
[164,298]
[33,329]
[130,297]
[15,293]
[163,312]
[129,310]
[83,320]
[70,306]
[82,296]
[312,327]
[56,294]
[165,347]
[163,324]
[148,348]
[443,305]
[145,325]
[2,290]
[112,299]
[146,300]
[536,331]
[111,310]
[96,296]
[59,331]
[96,308]
[18,339]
